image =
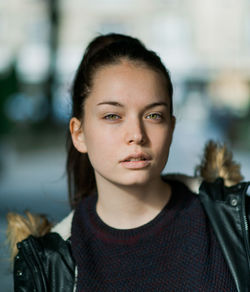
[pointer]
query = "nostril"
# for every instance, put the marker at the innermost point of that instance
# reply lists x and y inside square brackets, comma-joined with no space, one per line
[137,139]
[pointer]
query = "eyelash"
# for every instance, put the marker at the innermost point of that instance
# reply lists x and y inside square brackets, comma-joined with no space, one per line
[114,117]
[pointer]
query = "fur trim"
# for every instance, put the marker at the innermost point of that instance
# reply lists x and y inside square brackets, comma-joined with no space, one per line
[63,228]
[218,162]
[20,227]
[193,183]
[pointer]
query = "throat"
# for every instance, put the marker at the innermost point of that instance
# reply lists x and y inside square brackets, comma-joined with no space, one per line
[126,211]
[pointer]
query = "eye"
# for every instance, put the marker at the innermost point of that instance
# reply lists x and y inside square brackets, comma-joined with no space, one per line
[154,116]
[112,117]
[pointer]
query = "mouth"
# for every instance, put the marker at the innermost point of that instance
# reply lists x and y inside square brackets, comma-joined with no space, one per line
[137,157]
[136,161]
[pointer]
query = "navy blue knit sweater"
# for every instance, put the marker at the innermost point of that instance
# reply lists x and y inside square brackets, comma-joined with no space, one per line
[176,251]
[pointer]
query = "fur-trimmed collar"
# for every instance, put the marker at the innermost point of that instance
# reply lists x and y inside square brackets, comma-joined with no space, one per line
[63,228]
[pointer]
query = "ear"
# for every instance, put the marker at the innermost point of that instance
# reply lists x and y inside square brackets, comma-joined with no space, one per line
[77,134]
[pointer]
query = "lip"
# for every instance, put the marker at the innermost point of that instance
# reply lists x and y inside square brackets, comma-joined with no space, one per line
[142,155]
[135,164]
[143,163]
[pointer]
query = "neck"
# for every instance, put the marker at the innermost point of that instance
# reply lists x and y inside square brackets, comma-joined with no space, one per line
[125,207]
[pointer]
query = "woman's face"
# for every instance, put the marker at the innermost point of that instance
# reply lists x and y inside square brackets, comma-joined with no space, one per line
[127,128]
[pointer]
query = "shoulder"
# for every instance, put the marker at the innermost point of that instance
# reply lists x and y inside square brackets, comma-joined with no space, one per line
[55,242]
[46,260]
[44,263]
[217,192]
[46,244]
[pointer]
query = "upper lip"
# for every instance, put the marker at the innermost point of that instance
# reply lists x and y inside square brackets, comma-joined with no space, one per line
[143,156]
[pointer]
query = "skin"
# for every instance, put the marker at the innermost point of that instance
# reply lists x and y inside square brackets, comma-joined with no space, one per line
[121,118]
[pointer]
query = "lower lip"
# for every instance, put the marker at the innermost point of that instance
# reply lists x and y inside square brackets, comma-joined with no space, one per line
[135,164]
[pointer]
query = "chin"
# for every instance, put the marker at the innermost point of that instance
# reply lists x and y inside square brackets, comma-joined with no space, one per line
[135,179]
[132,178]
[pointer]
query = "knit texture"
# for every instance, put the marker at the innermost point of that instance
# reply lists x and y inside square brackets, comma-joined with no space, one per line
[176,251]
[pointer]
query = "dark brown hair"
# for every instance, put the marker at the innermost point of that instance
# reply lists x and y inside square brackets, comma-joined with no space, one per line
[103,50]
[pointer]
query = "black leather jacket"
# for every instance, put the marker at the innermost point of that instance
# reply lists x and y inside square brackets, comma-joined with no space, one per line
[46,264]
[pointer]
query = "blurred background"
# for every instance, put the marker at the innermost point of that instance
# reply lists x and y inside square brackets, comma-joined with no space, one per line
[204,44]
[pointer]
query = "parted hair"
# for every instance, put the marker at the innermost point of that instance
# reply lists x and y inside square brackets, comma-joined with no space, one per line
[102,51]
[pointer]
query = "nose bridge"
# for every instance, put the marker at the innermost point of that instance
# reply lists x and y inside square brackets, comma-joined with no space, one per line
[135,131]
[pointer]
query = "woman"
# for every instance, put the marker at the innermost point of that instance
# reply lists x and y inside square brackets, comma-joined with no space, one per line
[132,229]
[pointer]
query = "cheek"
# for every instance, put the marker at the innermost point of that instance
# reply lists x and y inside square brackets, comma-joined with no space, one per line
[161,148]
[101,137]
[101,144]
[161,138]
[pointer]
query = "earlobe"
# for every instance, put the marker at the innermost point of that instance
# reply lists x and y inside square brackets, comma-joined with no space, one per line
[77,134]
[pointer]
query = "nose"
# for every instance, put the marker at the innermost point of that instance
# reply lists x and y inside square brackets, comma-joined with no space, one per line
[135,133]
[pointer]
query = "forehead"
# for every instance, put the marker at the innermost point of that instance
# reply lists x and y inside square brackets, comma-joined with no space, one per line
[128,82]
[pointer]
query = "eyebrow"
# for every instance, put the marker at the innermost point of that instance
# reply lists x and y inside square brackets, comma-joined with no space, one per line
[115,103]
